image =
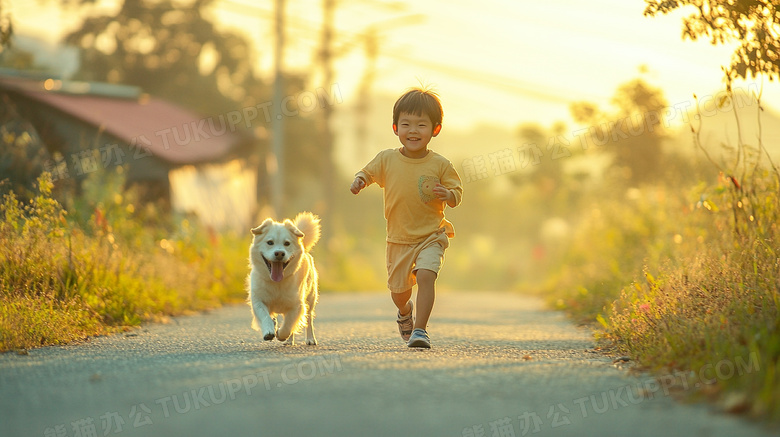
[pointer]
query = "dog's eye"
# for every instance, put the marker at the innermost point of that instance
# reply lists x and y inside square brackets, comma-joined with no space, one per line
[286,243]
[270,242]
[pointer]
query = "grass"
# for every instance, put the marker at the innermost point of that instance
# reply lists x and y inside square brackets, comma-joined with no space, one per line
[101,266]
[719,302]
[680,288]
[687,280]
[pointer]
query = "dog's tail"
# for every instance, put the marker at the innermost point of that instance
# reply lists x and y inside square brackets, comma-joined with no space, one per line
[309,224]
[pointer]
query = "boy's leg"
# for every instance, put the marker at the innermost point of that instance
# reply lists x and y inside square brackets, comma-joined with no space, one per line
[399,265]
[400,259]
[403,301]
[426,294]
[427,265]
[405,319]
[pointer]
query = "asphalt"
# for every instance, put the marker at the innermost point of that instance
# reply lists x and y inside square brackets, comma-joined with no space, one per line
[501,365]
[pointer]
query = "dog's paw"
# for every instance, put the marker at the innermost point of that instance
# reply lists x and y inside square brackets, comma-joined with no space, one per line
[311,341]
[268,326]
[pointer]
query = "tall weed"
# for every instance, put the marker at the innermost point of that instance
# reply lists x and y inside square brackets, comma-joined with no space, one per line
[101,265]
[717,300]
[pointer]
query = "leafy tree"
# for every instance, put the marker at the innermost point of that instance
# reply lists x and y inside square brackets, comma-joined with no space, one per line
[170,50]
[542,150]
[633,134]
[755,24]
[6,29]
[22,153]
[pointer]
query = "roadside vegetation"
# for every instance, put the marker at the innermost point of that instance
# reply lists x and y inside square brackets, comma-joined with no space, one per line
[103,265]
[684,273]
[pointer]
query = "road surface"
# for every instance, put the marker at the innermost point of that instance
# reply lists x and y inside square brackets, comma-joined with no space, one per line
[501,365]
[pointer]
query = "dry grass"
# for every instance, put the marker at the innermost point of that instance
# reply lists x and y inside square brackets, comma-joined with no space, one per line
[688,280]
[68,276]
[681,286]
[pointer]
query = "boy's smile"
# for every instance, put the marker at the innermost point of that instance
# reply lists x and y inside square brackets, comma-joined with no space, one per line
[415,132]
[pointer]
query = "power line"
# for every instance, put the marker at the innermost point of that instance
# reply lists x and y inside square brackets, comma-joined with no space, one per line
[513,85]
[353,40]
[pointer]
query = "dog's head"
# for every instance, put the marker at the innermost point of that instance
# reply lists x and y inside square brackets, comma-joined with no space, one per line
[277,245]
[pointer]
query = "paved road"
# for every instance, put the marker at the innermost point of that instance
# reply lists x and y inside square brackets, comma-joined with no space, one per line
[500,366]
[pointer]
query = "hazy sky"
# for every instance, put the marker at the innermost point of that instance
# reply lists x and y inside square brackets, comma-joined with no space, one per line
[498,61]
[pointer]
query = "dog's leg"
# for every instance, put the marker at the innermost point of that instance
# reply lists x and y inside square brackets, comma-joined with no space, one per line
[262,320]
[292,320]
[311,300]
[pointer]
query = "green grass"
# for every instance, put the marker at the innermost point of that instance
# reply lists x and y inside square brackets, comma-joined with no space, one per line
[684,282]
[33,321]
[683,275]
[719,302]
[102,266]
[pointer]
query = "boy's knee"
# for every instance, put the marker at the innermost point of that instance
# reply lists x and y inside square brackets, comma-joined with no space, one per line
[424,275]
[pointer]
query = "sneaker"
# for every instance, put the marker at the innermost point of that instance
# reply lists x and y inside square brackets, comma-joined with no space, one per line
[419,338]
[406,323]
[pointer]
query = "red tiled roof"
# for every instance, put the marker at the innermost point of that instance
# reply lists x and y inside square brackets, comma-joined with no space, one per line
[146,121]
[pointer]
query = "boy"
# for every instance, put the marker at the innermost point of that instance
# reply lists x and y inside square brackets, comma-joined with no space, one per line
[417,184]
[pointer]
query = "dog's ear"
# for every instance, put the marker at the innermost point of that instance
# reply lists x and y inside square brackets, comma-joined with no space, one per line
[263,227]
[292,228]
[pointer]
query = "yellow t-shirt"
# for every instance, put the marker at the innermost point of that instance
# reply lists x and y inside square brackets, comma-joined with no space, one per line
[412,211]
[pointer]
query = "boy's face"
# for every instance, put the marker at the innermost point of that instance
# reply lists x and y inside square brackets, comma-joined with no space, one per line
[415,132]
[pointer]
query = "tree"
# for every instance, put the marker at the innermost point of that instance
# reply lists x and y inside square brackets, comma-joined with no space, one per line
[633,134]
[541,150]
[755,24]
[170,50]
[22,154]
[6,29]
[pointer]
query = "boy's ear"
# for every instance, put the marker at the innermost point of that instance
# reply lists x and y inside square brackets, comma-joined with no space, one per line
[395,128]
[436,130]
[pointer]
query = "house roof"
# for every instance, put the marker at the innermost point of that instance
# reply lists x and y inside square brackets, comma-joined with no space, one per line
[170,132]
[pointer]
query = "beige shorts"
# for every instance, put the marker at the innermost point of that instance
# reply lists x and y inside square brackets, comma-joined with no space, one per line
[403,260]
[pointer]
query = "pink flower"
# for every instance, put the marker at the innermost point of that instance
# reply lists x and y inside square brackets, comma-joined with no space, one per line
[645,307]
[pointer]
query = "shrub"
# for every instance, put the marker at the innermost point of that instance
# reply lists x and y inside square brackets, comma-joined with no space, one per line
[69,274]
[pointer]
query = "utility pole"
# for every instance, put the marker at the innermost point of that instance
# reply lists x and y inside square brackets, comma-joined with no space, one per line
[325,133]
[363,107]
[275,162]
[370,39]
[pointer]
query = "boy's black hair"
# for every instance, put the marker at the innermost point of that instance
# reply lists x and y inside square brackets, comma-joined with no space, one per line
[419,101]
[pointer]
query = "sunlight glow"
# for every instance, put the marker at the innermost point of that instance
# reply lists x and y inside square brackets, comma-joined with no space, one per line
[518,61]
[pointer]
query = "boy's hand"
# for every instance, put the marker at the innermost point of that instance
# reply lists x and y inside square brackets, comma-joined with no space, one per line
[357,185]
[443,194]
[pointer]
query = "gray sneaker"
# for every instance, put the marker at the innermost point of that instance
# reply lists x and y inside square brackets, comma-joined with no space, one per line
[406,323]
[419,338]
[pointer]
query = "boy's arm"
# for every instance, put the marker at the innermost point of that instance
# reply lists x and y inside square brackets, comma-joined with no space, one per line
[359,183]
[365,177]
[451,182]
[371,173]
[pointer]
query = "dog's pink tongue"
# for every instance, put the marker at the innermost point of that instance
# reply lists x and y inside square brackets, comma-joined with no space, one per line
[277,271]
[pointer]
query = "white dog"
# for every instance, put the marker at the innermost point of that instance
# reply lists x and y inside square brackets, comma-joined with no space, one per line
[283,279]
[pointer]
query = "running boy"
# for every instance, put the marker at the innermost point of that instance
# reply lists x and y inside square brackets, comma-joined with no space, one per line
[417,184]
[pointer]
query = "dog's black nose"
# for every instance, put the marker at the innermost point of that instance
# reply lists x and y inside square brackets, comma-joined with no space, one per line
[279,254]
